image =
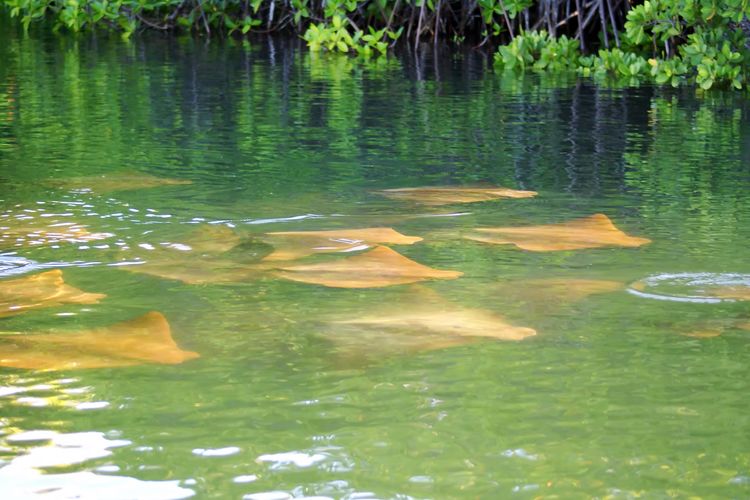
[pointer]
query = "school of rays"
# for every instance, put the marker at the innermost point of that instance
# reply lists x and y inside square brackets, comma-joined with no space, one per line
[344,258]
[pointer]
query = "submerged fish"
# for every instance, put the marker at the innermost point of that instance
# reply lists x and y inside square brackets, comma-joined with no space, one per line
[546,295]
[209,254]
[420,320]
[445,195]
[47,289]
[21,231]
[115,181]
[145,339]
[595,231]
[290,245]
[375,268]
[456,322]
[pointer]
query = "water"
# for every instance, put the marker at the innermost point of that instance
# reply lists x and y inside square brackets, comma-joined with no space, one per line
[611,398]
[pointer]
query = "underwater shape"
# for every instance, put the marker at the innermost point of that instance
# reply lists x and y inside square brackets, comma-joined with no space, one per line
[707,333]
[456,322]
[547,292]
[47,289]
[212,238]
[196,270]
[19,231]
[354,346]
[572,289]
[712,329]
[730,292]
[197,258]
[290,245]
[417,320]
[541,297]
[116,181]
[446,195]
[145,339]
[375,268]
[595,231]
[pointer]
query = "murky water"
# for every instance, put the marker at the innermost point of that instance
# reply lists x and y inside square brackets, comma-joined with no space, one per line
[309,390]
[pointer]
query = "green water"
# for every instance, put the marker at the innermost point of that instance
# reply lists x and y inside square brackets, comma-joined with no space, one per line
[609,399]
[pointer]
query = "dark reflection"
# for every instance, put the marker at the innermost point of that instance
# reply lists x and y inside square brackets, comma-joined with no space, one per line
[270,105]
[263,118]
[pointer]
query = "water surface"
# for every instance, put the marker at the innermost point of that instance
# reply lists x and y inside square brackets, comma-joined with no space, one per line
[610,398]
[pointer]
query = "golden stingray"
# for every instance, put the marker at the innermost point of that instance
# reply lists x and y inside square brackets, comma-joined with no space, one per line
[197,271]
[712,329]
[290,245]
[544,296]
[421,320]
[575,288]
[375,268]
[116,181]
[146,339]
[703,334]
[447,195]
[595,231]
[198,260]
[561,290]
[732,292]
[47,289]
[212,239]
[354,347]
[456,322]
[17,232]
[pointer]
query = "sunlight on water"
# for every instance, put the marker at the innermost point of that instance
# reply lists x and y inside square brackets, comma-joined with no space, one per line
[33,455]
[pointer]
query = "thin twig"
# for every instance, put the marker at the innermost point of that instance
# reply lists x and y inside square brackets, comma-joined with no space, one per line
[419,25]
[437,20]
[393,12]
[270,15]
[203,15]
[580,26]
[176,12]
[614,27]
[411,23]
[150,24]
[507,21]
[603,22]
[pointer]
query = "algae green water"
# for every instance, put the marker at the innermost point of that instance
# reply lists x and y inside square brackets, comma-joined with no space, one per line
[640,390]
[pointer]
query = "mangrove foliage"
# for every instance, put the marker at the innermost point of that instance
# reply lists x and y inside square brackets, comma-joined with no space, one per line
[705,42]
